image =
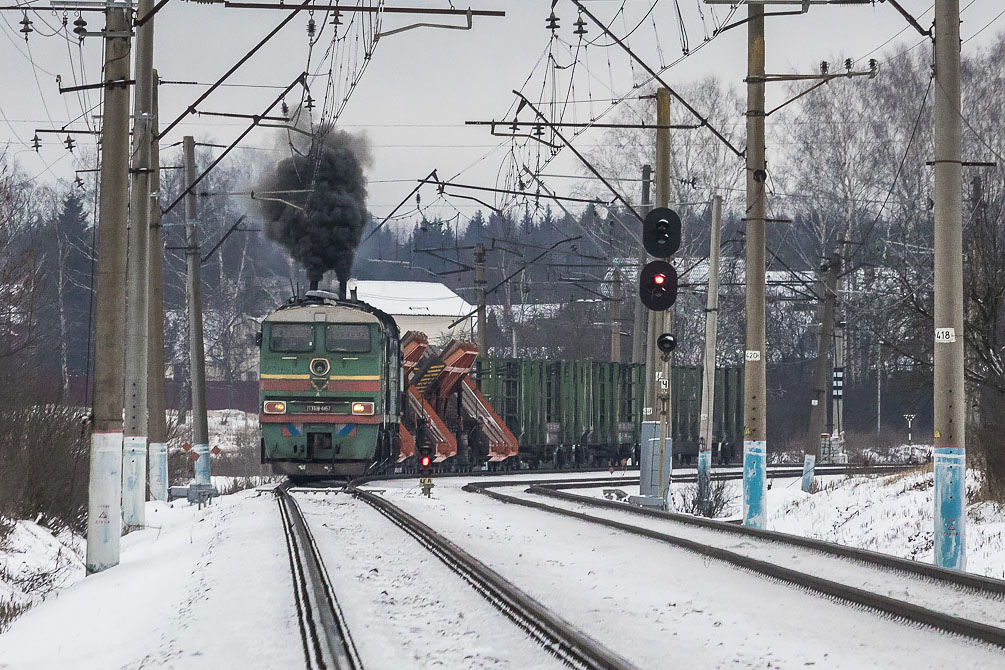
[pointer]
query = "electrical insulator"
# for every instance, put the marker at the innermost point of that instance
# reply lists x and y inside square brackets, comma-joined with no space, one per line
[515,126]
[79,27]
[873,68]
[78,181]
[311,28]
[26,26]
[824,67]
[337,19]
[69,143]
[309,103]
[36,143]
[847,63]
[539,130]
[552,23]
[286,109]
[580,26]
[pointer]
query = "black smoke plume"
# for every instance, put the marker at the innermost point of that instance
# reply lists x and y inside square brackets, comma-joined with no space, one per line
[320,228]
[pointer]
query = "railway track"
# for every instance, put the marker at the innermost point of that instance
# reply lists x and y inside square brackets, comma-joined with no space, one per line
[992,591]
[555,635]
[327,643]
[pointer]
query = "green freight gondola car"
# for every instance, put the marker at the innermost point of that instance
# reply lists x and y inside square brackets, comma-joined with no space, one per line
[589,412]
[330,387]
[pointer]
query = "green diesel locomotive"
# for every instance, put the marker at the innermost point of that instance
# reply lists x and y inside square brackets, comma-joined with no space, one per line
[330,387]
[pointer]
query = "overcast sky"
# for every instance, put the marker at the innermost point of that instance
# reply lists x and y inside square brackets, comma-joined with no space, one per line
[421,85]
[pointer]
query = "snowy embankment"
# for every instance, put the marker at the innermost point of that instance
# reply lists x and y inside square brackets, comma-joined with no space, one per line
[35,562]
[891,514]
[205,588]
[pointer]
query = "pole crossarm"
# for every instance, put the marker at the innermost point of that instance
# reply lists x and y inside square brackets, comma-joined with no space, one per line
[223,239]
[191,109]
[381,9]
[580,156]
[431,175]
[515,273]
[631,126]
[301,79]
[910,19]
[443,184]
[655,75]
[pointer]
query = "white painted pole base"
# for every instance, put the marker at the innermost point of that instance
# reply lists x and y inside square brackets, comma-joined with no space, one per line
[104,496]
[202,464]
[158,471]
[809,465]
[755,484]
[134,480]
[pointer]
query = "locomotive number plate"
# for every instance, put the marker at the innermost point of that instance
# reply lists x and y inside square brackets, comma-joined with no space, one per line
[319,409]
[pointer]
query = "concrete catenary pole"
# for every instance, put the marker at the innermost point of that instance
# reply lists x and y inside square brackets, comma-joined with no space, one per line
[653,470]
[156,400]
[639,330]
[708,367]
[616,317]
[825,315]
[134,447]
[104,511]
[949,392]
[754,386]
[197,354]
[837,392]
[663,320]
[483,335]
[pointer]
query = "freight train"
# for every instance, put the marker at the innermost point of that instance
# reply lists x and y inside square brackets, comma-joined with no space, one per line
[343,393]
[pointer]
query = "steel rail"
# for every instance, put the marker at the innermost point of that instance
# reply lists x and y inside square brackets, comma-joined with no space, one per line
[332,646]
[556,635]
[892,606]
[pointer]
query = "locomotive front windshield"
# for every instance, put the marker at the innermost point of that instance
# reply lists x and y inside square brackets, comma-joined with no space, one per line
[291,337]
[347,338]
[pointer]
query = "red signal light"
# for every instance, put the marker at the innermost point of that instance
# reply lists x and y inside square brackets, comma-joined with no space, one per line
[659,279]
[425,461]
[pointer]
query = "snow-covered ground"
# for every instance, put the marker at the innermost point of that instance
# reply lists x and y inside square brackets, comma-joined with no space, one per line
[35,562]
[405,608]
[211,588]
[891,514]
[650,602]
[203,588]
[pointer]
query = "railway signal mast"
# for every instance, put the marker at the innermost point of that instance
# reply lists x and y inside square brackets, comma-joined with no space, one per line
[661,237]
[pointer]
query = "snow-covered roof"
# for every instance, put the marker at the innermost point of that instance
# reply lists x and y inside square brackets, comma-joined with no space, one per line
[413,298]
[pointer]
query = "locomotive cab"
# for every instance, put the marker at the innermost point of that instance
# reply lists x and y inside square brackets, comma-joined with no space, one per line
[329,389]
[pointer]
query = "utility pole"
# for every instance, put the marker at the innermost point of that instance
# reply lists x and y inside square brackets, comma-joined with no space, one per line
[825,316]
[639,331]
[156,404]
[950,392]
[134,448]
[837,434]
[616,318]
[662,321]
[754,386]
[708,367]
[104,511]
[483,336]
[197,354]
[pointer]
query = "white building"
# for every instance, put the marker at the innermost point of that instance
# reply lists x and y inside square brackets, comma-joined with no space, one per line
[428,307]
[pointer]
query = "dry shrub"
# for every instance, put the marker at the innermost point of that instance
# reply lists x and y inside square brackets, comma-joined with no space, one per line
[44,464]
[721,497]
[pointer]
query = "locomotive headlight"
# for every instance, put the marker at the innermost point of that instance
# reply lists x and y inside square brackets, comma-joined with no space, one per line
[320,367]
[274,407]
[362,408]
